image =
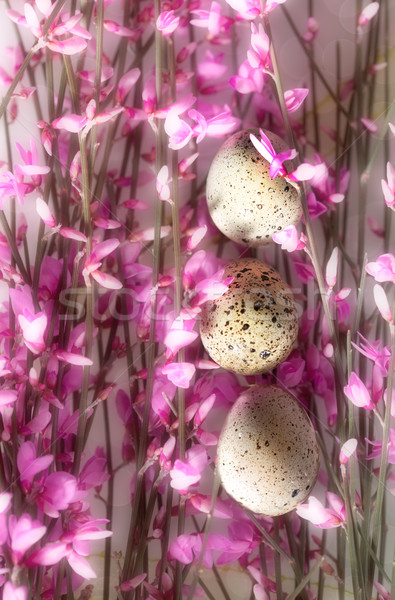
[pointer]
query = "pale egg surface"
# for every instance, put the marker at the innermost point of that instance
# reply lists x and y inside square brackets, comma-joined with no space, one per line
[244,202]
[268,457]
[251,328]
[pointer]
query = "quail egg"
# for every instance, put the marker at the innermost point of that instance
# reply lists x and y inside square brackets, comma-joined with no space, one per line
[268,457]
[244,202]
[250,328]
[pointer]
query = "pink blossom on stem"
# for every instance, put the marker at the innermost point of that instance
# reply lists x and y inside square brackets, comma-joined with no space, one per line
[33,330]
[24,533]
[331,268]
[167,22]
[383,269]
[178,130]
[162,181]
[185,474]
[380,297]
[265,148]
[125,84]
[248,79]
[295,98]
[388,187]
[44,213]
[357,392]
[8,397]
[312,30]
[178,338]
[73,359]
[29,465]
[11,592]
[179,373]
[368,13]
[377,448]
[289,239]
[347,450]
[324,518]
[259,53]
[290,372]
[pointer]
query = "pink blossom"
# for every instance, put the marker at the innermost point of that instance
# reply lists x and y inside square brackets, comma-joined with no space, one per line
[291,371]
[179,131]
[185,474]
[8,397]
[167,22]
[212,19]
[382,303]
[73,358]
[44,213]
[347,450]
[125,84]
[198,234]
[368,13]
[248,79]
[377,448]
[29,465]
[265,148]
[388,187]
[11,592]
[331,268]
[162,186]
[357,392]
[258,55]
[289,240]
[312,30]
[369,125]
[33,330]
[178,338]
[295,98]
[179,373]
[24,533]
[383,269]
[324,518]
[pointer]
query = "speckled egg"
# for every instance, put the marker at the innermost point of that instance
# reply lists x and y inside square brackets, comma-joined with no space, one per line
[268,457]
[244,202]
[251,328]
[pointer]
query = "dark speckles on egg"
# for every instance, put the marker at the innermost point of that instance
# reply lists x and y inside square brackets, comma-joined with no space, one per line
[252,310]
[268,457]
[238,178]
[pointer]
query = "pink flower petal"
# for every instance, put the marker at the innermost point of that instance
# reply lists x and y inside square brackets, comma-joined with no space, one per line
[11,592]
[295,98]
[44,213]
[178,338]
[49,555]
[347,450]
[180,373]
[73,359]
[106,280]
[357,392]
[72,234]
[8,397]
[382,303]
[73,45]
[81,566]
[331,268]
[72,123]
[368,13]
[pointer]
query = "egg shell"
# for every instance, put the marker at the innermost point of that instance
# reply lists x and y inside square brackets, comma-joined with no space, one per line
[268,457]
[244,202]
[251,328]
